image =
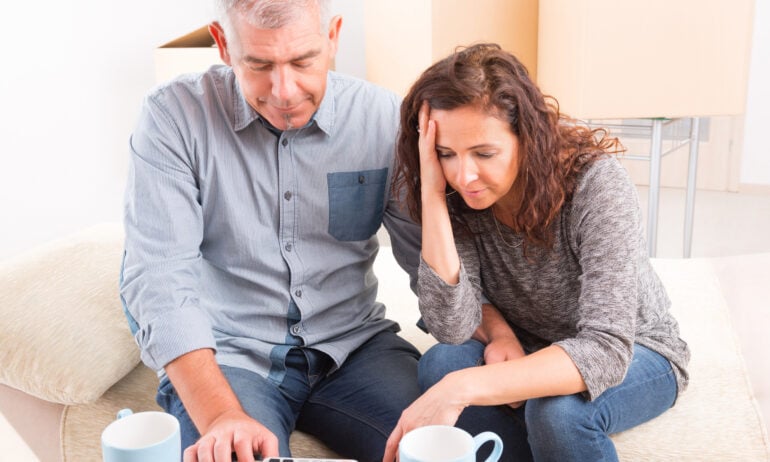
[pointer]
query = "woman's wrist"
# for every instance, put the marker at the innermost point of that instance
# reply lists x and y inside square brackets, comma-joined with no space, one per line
[461,386]
[432,197]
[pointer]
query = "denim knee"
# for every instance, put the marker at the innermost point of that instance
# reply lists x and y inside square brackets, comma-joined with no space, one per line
[441,359]
[566,428]
[556,415]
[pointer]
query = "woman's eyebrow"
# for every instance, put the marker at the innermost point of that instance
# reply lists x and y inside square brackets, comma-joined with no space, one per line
[476,146]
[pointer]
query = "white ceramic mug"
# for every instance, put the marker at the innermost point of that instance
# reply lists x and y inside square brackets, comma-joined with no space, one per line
[142,437]
[443,443]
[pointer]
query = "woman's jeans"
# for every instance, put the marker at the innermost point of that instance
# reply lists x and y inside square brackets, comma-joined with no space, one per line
[561,428]
[352,410]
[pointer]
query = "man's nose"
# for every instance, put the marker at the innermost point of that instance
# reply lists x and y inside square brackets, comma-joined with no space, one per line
[284,84]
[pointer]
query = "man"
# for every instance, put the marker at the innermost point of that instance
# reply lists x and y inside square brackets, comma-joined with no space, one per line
[253,199]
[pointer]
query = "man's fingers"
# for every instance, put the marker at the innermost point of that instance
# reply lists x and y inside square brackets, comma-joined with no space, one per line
[243,447]
[223,450]
[267,446]
[205,449]
[191,453]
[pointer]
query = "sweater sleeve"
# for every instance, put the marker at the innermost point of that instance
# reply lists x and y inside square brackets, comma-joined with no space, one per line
[452,312]
[605,234]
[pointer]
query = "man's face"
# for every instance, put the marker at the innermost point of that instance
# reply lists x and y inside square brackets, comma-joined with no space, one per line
[281,72]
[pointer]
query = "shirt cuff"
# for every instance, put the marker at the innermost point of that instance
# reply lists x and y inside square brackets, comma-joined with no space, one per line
[174,334]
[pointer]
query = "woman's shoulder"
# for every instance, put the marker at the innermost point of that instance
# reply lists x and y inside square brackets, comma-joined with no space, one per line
[604,175]
[607,165]
[603,189]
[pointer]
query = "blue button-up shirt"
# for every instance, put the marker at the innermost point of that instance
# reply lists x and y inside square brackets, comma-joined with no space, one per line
[250,242]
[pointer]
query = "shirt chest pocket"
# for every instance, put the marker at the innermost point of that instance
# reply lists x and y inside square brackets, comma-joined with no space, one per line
[356,203]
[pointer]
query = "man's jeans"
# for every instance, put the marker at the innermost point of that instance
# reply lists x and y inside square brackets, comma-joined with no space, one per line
[561,428]
[353,410]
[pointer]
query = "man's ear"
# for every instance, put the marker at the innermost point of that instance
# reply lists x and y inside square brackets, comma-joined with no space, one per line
[334,34]
[218,34]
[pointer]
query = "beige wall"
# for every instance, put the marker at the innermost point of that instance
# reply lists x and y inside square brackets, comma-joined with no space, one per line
[607,59]
[510,23]
[651,58]
[404,37]
[398,41]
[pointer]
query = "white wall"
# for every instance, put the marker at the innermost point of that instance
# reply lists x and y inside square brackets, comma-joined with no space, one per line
[755,164]
[351,57]
[74,73]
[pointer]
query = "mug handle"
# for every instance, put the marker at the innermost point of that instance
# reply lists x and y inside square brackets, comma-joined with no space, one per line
[482,438]
[124,413]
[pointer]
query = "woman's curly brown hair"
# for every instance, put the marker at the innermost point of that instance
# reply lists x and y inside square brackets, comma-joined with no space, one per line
[553,148]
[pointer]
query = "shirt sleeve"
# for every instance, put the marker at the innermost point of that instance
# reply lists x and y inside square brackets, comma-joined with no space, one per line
[405,236]
[605,227]
[164,230]
[452,312]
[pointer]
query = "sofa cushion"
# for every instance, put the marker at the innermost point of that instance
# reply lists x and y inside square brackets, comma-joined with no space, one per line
[63,335]
[717,417]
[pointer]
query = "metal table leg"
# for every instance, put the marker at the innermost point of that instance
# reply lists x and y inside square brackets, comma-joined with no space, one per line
[692,172]
[656,150]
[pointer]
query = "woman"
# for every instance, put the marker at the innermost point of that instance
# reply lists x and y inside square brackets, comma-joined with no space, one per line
[555,330]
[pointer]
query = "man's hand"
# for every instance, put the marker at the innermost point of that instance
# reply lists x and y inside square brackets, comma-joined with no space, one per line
[501,342]
[233,432]
[503,349]
[216,412]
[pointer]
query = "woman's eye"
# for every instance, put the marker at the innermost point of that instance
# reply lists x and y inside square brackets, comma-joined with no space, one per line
[444,154]
[485,155]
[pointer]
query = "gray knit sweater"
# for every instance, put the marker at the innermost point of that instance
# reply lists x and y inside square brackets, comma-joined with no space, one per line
[594,294]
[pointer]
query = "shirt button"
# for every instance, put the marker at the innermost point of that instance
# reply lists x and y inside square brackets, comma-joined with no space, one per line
[298,293]
[295,329]
[288,247]
[287,195]
[285,142]
[361,179]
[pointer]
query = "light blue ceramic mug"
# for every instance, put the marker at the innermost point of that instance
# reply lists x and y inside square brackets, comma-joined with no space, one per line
[142,437]
[443,443]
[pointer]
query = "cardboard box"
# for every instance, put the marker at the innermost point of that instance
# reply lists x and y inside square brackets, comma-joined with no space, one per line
[194,52]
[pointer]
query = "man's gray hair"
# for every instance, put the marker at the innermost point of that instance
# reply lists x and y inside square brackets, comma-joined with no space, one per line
[269,14]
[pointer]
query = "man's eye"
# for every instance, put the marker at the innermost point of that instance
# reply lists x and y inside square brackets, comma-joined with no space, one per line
[302,64]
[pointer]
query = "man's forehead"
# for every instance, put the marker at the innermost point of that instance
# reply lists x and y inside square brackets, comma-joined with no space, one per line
[290,42]
[299,56]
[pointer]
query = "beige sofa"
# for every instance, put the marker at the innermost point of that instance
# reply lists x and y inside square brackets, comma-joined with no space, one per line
[68,362]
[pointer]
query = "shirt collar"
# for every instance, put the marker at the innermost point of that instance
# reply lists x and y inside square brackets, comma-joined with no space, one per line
[323,117]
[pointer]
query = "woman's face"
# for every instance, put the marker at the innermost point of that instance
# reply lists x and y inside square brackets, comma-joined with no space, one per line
[478,154]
